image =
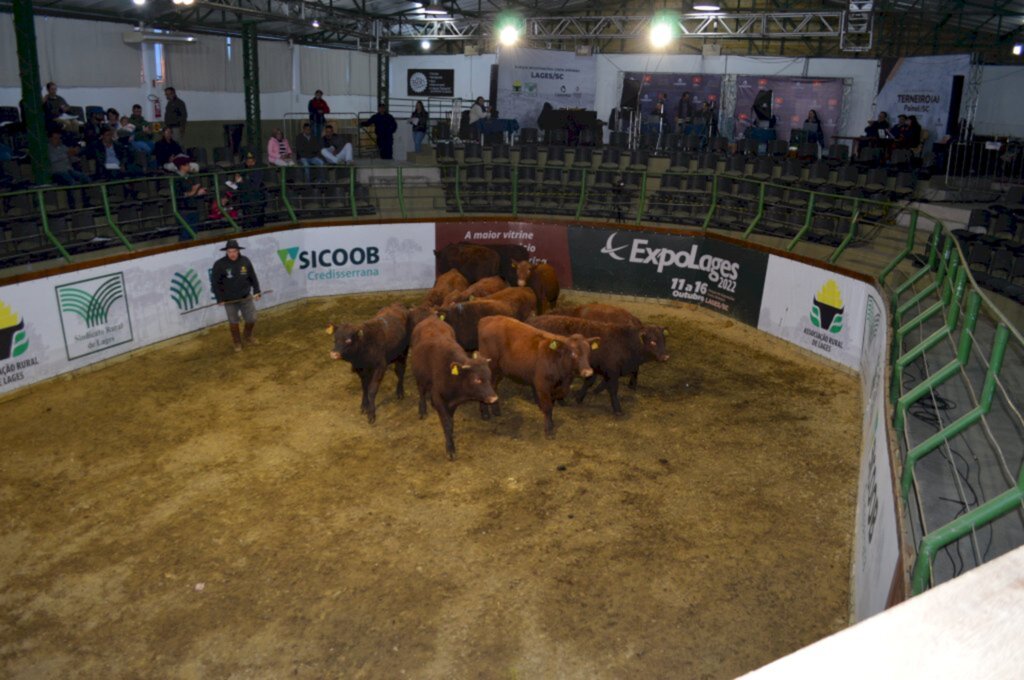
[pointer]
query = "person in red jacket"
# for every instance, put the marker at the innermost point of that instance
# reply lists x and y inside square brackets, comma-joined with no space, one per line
[318,110]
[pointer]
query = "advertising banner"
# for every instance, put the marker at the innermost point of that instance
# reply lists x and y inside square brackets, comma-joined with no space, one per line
[528,78]
[815,309]
[545,242]
[707,272]
[430,82]
[876,541]
[649,86]
[792,99]
[60,323]
[922,86]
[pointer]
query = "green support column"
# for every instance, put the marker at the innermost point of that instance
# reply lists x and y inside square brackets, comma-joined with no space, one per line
[383,74]
[251,76]
[31,90]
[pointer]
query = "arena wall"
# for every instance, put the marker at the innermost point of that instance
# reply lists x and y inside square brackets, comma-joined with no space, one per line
[75,318]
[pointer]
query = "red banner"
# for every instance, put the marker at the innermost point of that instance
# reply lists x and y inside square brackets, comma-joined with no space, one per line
[545,242]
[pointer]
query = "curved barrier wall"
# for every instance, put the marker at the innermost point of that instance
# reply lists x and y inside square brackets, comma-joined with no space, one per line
[72,319]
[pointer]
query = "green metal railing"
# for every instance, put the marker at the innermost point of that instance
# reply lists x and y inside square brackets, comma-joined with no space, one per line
[936,308]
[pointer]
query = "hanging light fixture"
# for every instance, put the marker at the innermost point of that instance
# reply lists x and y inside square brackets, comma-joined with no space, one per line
[706,7]
[434,8]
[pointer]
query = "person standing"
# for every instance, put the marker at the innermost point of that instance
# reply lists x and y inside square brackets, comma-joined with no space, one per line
[815,133]
[236,288]
[684,114]
[176,116]
[478,114]
[385,126]
[419,121]
[336,149]
[318,110]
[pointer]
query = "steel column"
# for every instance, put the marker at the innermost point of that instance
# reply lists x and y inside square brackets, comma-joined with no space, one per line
[31,90]
[383,74]
[251,76]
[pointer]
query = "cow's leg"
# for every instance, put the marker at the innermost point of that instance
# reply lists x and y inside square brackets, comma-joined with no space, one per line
[371,397]
[364,379]
[587,384]
[546,405]
[613,392]
[495,408]
[632,379]
[400,373]
[448,425]
[423,400]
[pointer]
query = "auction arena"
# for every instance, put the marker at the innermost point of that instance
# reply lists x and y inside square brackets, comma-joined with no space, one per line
[190,512]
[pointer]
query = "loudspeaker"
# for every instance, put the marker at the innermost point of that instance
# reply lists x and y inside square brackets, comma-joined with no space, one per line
[630,94]
[955,97]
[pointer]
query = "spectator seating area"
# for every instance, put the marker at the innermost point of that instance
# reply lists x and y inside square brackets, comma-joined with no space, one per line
[993,242]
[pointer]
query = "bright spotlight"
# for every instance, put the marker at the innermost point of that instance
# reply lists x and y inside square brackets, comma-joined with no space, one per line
[1017,49]
[139,3]
[425,45]
[508,35]
[706,7]
[316,23]
[661,34]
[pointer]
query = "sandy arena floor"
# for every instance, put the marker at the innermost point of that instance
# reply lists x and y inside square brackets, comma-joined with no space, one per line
[192,513]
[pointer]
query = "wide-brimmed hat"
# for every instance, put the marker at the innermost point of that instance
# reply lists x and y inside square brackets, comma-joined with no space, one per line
[232,244]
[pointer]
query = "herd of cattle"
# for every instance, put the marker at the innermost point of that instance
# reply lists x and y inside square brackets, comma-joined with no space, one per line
[474,328]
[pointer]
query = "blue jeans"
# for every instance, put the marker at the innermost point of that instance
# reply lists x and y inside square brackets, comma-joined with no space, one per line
[417,139]
[306,162]
[143,146]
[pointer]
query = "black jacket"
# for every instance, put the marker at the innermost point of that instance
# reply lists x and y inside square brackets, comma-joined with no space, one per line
[232,281]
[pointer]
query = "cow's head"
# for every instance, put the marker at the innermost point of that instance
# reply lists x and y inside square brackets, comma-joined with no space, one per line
[523,269]
[580,348]
[473,378]
[653,339]
[347,339]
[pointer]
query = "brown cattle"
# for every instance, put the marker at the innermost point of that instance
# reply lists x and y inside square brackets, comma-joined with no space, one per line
[542,279]
[450,282]
[596,311]
[370,347]
[464,316]
[509,254]
[445,373]
[417,314]
[482,288]
[542,360]
[522,300]
[620,350]
[473,261]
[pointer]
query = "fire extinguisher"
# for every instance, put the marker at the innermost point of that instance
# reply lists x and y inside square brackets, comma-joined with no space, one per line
[156,106]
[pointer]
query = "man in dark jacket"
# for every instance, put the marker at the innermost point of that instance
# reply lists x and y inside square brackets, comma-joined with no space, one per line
[385,126]
[233,279]
[307,149]
[110,157]
[176,115]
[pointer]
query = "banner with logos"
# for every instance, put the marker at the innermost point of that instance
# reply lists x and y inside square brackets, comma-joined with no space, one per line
[876,549]
[60,323]
[815,309]
[717,274]
[544,242]
[792,100]
[529,78]
[922,86]
[430,82]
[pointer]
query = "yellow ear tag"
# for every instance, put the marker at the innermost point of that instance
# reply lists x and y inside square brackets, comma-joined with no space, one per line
[554,344]
[441,317]
[476,355]
[330,329]
[360,333]
[666,331]
[594,345]
[455,369]
[472,297]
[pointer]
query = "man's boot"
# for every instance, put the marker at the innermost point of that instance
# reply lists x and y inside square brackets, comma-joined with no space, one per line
[248,334]
[236,336]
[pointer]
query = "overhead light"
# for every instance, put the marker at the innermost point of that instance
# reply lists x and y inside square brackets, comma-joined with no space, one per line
[1017,49]
[662,32]
[508,35]
[706,7]
[184,2]
[434,8]
[316,23]
[139,3]
[425,45]
[148,35]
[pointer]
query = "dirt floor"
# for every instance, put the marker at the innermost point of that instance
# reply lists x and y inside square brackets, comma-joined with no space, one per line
[192,513]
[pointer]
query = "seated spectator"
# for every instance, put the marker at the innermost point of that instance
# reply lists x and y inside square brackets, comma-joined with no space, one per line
[113,119]
[252,194]
[878,127]
[279,151]
[93,128]
[307,150]
[56,110]
[171,157]
[188,193]
[336,149]
[62,161]
[900,132]
[915,135]
[143,133]
[227,203]
[110,157]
